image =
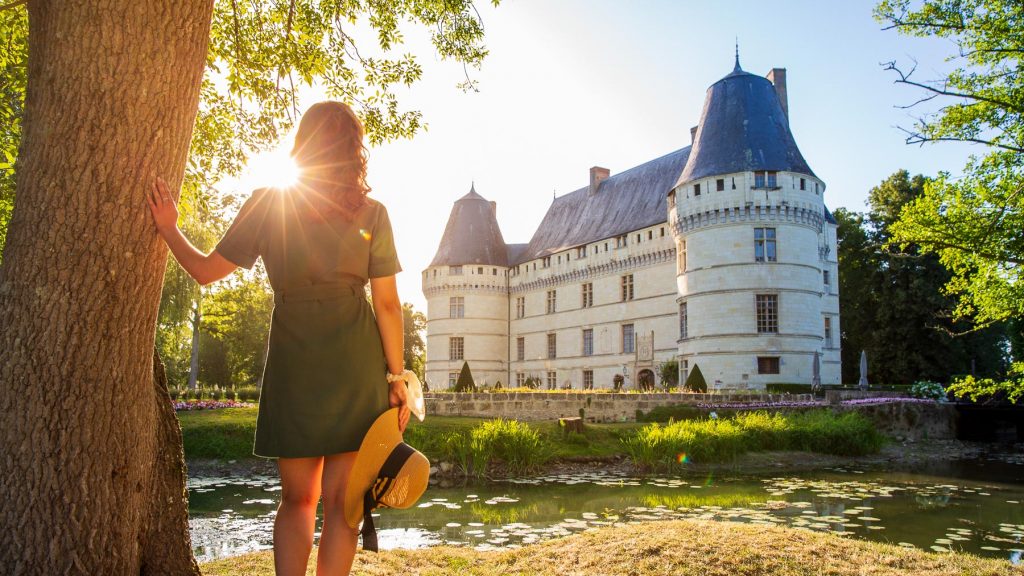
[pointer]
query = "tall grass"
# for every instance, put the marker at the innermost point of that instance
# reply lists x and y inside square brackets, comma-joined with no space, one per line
[518,446]
[717,440]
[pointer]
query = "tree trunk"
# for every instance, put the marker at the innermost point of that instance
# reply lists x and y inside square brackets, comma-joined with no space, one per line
[193,366]
[113,89]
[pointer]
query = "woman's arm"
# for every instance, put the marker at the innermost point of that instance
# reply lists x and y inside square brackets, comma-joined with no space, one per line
[387,307]
[203,268]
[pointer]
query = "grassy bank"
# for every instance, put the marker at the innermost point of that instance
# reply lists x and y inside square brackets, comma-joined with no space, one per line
[683,548]
[474,444]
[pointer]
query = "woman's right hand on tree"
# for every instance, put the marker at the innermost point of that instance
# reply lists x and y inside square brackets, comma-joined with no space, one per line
[162,206]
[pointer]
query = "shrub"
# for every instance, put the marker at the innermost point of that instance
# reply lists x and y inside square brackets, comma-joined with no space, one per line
[669,374]
[465,382]
[516,444]
[532,382]
[695,381]
[672,412]
[929,390]
[617,381]
[247,394]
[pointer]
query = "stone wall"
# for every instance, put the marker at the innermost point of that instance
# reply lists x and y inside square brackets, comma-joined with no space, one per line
[597,407]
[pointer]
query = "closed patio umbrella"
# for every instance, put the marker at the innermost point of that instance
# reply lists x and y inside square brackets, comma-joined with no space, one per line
[863,370]
[816,373]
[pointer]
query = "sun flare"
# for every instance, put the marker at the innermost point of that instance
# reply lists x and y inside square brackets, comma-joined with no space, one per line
[271,168]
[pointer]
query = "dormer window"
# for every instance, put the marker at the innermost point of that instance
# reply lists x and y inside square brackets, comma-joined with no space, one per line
[546,261]
[620,241]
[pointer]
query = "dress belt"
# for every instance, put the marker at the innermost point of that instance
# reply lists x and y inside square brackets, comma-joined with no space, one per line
[318,292]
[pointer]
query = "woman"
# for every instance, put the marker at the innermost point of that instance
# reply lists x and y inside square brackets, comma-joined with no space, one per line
[325,378]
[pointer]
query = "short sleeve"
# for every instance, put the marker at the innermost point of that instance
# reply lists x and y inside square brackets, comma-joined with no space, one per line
[241,243]
[383,257]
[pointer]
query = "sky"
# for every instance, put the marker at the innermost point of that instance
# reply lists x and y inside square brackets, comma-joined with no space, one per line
[571,84]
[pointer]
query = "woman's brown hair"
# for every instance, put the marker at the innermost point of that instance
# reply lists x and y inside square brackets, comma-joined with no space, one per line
[330,153]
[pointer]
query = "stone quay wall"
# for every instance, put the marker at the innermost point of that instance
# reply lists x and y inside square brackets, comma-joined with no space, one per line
[597,407]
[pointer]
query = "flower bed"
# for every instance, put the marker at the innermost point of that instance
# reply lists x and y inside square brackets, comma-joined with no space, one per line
[210,404]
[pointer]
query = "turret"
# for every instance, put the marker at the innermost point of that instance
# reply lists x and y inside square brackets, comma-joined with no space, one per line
[467,301]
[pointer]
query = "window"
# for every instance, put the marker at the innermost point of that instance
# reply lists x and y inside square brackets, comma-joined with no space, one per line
[520,306]
[803,184]
[456,348]
[453,377]
[521,348]
[480,270]
[764,245]
[545,261]
[588,295]
[734,183]
[627,287]
[827,280]
[581,252]
[520,380]
[758,179]
[767,364]
[682,320]
[662,233]
[456,307]
[773,181]
[627,339]
[672,200]
[720,185]
[455,270]
[696,189]
[588,342]
[588,379]
[560,258]
[828,332]
[494,271]
[680,256]
[650,234]
[552,346]
[552,380]
[605,246]
[620,241]
[815,187]
[767,308]
[551,302]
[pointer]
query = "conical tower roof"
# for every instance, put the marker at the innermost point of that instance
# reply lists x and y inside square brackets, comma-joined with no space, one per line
[472,235]
[742,128]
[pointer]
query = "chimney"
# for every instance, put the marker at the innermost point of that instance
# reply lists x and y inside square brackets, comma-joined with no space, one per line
[778,78]
[597,175]
[693,135]
[494,208]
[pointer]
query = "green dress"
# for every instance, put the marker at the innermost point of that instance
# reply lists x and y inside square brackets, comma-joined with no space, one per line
[324,381]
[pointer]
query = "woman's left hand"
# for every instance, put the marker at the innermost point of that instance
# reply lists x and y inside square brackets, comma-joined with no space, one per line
[397,397]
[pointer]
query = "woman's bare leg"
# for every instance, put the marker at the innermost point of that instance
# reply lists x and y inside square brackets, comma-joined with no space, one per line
[337,540]
[296,516]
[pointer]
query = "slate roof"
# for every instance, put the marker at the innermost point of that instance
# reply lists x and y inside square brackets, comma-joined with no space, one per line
[742,128]
[472,235]
[829,217]
[624,202]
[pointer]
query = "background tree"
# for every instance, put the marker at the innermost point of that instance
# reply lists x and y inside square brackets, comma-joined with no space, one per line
[893,302]
[104,113]
[415,325]
[973,222]
[669,373]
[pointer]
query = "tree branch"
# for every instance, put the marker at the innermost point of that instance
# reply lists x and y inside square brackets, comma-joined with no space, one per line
[13,4]
[905,79]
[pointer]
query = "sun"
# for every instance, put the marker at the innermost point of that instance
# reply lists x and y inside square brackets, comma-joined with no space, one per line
[271,168]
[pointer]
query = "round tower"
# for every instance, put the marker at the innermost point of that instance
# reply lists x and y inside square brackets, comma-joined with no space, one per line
[756,266]
[466,286]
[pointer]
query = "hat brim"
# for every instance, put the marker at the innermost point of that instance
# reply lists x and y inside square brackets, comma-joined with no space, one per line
[380,440]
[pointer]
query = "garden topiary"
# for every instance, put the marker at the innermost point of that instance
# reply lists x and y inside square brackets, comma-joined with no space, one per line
[465,382]
[695,381]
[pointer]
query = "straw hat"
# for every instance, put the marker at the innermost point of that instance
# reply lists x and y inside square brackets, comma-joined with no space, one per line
[387,472]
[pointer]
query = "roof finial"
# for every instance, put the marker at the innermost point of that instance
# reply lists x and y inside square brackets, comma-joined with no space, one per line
[472,186]
[737,68]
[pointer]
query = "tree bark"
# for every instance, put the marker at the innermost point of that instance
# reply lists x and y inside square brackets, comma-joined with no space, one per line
[113,89]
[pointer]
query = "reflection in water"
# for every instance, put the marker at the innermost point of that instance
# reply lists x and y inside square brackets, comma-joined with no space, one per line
[235,515]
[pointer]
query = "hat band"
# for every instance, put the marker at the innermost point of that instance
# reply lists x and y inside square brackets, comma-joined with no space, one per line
[372,497]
